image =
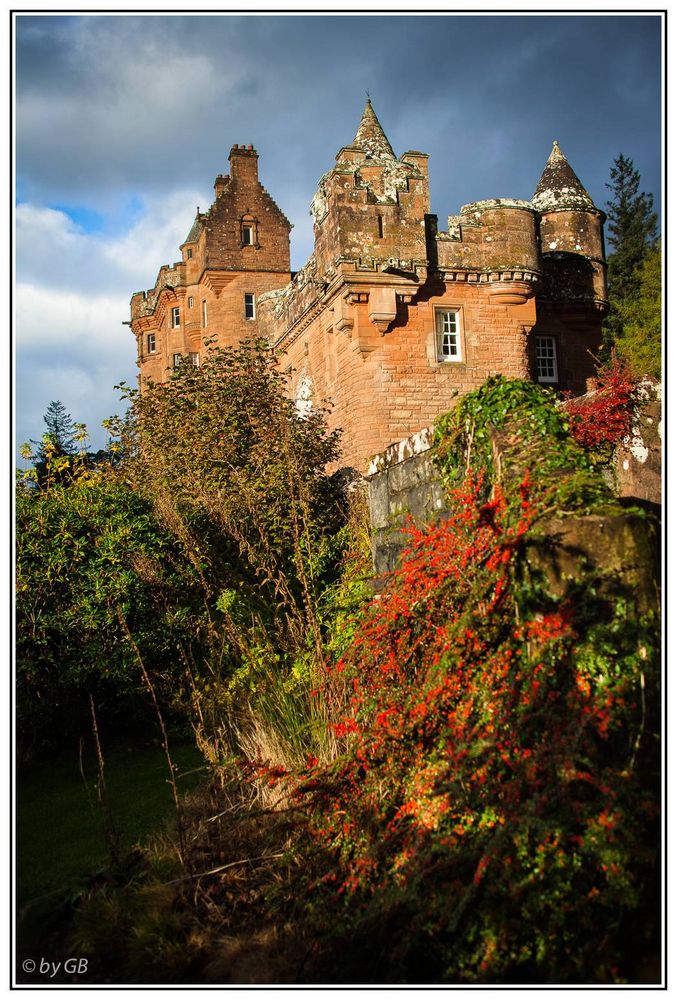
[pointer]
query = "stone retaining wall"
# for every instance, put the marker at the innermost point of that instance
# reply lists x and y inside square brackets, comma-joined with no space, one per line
[404,484]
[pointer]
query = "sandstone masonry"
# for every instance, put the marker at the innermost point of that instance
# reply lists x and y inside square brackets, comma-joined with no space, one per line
[390,318]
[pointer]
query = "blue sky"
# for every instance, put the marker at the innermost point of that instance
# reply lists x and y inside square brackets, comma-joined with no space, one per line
[122,123]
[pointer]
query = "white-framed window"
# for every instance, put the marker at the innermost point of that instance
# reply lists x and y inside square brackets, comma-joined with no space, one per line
[176,316]
[194,359]
[150,343]
[247,234]
[204,312]
[249,305]
[190,301]
[176,360]
[448,334]
[546,359]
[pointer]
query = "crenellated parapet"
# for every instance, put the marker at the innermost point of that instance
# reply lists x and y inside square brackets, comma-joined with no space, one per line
[495,243]
[371,205]
[170,276]
[389,319]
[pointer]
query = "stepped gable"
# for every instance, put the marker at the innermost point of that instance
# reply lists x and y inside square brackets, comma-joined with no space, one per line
[559,188]
[370,136]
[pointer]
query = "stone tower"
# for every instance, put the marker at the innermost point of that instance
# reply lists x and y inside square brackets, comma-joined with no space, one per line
[235,251]
[390,318]
[573,294]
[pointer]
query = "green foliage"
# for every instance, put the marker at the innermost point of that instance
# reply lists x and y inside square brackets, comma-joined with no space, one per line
[639,341]
[539,438]
[467,791]
[238,478]
[89,550]
[632,236]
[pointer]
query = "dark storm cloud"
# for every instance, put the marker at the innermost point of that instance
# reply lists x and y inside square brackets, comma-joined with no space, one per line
[111,104]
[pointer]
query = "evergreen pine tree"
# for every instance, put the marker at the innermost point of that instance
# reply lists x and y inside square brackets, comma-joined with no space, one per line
[61,430]
[58,442]
[631,228]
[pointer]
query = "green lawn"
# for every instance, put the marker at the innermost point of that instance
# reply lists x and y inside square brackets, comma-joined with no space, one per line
[59,830]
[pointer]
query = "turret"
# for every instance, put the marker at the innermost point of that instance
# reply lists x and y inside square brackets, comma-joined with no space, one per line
[370,207]
[571,229]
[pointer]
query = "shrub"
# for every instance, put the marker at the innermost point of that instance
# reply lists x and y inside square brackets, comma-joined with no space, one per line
[604,418]
[493,815]
[88,549]
[238,478]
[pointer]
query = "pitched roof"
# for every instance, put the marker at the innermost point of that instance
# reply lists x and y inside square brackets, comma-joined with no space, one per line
[370,135]
[559,187]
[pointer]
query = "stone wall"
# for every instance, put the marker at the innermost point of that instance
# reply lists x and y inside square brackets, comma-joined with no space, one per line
[404,485]
[638,463]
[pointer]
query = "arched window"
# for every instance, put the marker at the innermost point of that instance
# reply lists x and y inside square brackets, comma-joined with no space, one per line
[249,231]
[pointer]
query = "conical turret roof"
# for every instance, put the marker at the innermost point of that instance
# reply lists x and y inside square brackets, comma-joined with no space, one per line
[195,230]
[559,187]
[370,135]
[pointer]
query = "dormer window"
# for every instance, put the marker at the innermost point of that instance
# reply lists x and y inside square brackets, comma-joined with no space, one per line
[247,236]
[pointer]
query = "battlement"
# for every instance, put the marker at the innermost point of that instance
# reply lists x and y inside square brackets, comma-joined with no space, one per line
[389,318]
[144,303]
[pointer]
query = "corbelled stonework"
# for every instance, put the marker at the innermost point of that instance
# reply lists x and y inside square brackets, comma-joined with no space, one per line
[390,318]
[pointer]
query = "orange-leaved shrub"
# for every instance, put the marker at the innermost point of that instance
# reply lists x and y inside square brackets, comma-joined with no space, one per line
[493,816]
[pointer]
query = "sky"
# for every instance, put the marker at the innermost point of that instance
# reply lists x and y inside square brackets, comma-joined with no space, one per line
[122,123]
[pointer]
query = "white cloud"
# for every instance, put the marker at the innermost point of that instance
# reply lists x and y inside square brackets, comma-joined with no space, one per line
[53,251]
[71,300]
[155,238]
[50,319]
[71,346]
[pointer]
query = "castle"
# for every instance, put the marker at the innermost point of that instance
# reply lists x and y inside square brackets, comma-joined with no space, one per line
[390,317]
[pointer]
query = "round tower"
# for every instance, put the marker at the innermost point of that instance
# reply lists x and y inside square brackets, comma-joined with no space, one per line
[571,230]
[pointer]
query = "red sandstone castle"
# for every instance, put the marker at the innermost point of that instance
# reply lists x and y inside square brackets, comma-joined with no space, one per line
[389,317]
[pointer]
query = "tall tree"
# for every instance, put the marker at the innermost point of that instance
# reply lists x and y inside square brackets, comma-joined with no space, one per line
[59,443]
[631,227]
[632,232]
[61,431]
